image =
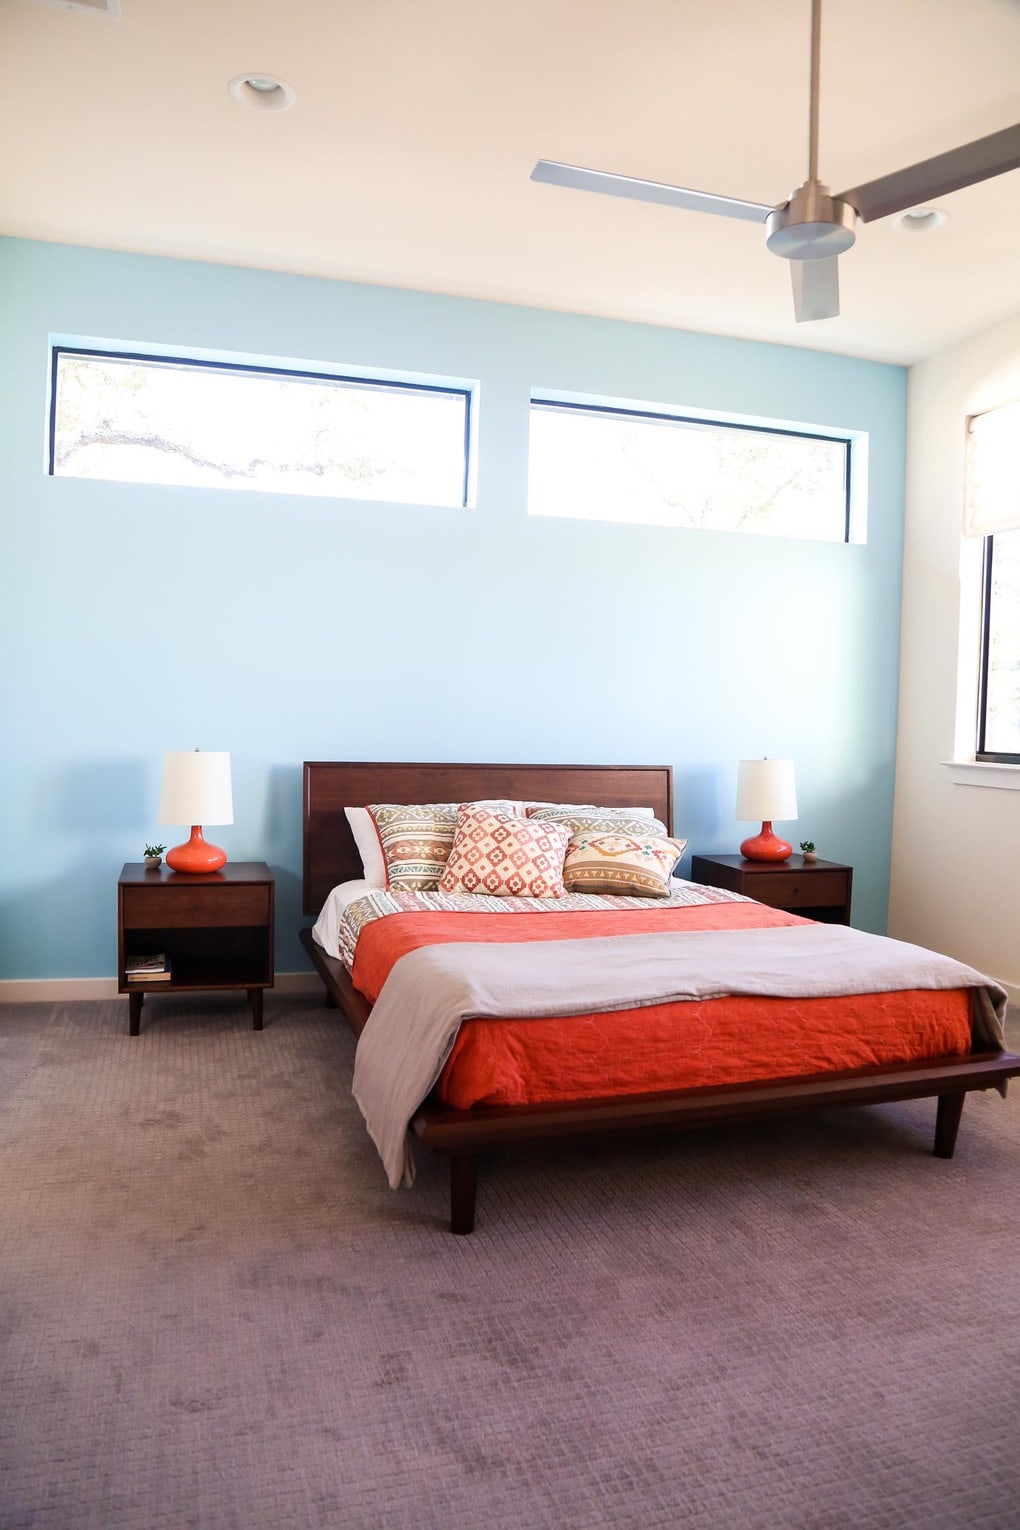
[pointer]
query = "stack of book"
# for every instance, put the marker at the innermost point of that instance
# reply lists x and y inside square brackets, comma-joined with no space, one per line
[147,969]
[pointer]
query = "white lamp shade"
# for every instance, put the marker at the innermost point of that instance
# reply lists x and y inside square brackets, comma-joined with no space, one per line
[766,791]
[196,788]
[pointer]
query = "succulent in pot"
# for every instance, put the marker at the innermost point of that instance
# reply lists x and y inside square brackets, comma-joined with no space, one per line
[807,847]
[153,857]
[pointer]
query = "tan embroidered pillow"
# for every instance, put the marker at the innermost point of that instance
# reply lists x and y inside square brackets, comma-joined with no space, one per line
[621,863]
[600,820]
[415,840]
[505,856]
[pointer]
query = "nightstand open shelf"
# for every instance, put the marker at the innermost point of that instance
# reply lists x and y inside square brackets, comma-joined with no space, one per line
[216,928]
[204,961]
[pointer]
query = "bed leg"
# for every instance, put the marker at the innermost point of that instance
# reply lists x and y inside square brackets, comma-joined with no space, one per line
[947,1122]
[463,1183]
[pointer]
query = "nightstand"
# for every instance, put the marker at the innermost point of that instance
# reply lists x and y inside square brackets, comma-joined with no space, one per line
[216,928]
[817,889]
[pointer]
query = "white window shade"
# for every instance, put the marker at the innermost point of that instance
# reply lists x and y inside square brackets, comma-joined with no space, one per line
[993,472]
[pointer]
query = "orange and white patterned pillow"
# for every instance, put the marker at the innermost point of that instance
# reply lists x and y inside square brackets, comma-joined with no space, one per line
[621,863]
[502,855]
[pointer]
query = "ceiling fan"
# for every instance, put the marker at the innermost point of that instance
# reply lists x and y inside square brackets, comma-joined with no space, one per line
[814,228]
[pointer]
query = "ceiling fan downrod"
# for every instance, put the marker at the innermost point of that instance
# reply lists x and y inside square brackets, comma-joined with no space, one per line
[813,224]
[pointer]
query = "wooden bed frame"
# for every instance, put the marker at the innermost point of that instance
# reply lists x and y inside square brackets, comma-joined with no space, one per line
[331,857]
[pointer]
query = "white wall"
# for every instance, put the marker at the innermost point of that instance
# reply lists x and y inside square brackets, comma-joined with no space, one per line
[956,848]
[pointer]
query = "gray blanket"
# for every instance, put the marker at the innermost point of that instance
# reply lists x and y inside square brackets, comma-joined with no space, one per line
[430,992]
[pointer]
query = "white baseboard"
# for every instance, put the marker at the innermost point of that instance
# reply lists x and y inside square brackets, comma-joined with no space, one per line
[66,990]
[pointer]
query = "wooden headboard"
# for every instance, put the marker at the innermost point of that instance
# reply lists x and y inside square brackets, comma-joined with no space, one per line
[331,856]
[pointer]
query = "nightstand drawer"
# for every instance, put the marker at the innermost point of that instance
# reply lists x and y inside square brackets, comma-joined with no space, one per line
[787,889]
[212,904]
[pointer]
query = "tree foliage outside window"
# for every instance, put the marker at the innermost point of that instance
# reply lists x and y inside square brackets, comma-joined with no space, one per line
[654,469]
[154,420]
[999,721]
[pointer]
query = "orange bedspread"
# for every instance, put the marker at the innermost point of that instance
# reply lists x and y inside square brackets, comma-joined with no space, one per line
[666,1046]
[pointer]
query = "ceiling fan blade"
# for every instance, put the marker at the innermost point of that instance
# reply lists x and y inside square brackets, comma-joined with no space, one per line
[937,177]
[815,288]
[576,178]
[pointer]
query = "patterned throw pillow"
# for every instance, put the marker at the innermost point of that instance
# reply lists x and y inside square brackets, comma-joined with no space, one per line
[637,866]
[600,820]
[415,840]
[502,856]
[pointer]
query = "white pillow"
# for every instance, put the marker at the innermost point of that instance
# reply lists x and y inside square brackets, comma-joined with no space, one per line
[369,848]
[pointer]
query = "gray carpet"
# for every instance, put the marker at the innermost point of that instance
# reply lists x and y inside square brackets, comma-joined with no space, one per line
[216,1314]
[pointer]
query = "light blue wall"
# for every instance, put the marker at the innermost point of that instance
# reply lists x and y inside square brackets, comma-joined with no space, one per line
[138,619]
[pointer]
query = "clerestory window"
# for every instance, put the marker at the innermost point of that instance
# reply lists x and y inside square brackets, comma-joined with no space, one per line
[593,461]
[230,425]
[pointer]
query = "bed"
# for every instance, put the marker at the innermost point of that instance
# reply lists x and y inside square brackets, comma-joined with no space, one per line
[462,1134]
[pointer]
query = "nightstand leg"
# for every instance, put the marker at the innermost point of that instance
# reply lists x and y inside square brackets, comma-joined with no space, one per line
[134,1012]
[255,1000]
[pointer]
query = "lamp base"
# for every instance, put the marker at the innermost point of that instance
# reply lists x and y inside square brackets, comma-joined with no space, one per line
[196,855]
[765,846]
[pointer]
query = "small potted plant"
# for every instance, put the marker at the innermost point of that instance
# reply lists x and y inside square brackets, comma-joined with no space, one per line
[153,857]
[808,849]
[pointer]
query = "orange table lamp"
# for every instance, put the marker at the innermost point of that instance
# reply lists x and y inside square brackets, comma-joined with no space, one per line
[766,790]
[196,791]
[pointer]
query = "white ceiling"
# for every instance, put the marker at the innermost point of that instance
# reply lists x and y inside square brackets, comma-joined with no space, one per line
[406,158]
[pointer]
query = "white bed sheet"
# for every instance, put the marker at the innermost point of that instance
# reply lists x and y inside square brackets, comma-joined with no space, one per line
[326,928]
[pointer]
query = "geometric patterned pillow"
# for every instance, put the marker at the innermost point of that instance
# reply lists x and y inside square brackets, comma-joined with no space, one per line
[503,855]
[600,820]
[621,863]
[415,840]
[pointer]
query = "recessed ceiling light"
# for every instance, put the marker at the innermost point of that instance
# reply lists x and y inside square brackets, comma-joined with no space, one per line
[920,220]
[262,92]
[109,8]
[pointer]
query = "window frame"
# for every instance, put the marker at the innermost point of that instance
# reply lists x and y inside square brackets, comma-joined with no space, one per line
[362,380]
[545,399]
[981,754]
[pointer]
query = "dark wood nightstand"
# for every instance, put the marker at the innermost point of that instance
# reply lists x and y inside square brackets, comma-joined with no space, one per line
[215,927]
[817,889]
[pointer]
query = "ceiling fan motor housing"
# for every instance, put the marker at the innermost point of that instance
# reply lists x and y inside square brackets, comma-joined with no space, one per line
[812,225]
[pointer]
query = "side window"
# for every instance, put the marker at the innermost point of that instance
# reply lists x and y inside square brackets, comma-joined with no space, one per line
[999,690]
[993,513]
[595,462]
[157,419]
